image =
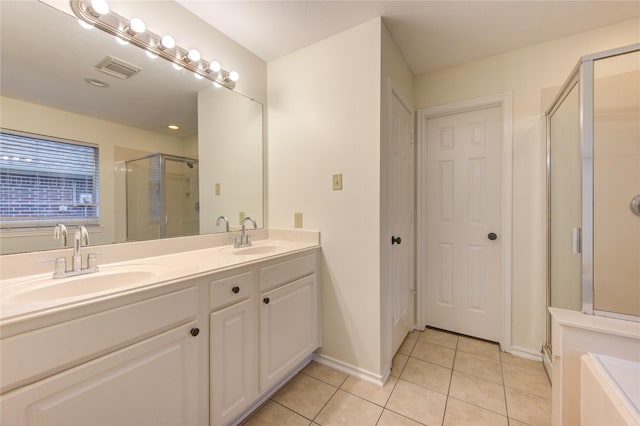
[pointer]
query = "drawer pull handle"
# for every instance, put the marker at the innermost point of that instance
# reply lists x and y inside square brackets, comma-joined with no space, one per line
[236,289]
[195,331]
[266,300]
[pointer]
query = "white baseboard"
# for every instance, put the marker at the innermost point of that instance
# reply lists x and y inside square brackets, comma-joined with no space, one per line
[525,353]
[351,370]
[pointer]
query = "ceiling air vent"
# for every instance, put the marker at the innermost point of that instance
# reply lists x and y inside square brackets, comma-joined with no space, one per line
[117,67]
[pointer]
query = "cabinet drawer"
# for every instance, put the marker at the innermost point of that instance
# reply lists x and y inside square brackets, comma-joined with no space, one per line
[226,291]
[290,270]
[32,356]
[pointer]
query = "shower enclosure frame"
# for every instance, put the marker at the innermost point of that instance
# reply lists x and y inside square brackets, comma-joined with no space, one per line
[162,159]
[583,76]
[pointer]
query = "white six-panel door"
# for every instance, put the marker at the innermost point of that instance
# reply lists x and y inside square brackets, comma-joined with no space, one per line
[400,158]
[463,209]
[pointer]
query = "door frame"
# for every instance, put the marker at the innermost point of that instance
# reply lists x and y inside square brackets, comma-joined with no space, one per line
[505,102]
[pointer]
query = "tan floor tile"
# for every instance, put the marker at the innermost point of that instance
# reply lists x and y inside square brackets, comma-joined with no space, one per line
[407,346]
[433,353]
[274,414]
[347,409]
[426,374]
[507,358]
[441,338]
[305,395]
[514,422]
[326,374]
[528,408]
[480,392]
[399,361]
[389,418]
[370,391]
[415,334]
[460,413]
[420,404]
[526,380]
[480,367]
[479,348]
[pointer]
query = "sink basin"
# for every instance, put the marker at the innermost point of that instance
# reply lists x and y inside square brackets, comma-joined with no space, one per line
[107,279]
[257,249]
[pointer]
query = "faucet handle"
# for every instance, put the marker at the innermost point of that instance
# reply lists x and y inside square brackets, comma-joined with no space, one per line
[92,261]
[60,268]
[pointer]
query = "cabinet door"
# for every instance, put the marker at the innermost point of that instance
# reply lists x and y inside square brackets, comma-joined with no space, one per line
[153,382]
[288,328]
[234,360]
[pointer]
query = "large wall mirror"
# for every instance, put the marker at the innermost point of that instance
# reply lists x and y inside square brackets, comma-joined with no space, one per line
[154,182]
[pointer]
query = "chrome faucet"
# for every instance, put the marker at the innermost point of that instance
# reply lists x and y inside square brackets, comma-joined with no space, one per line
[225,220]
[245,239]
[79,236]
[60,231]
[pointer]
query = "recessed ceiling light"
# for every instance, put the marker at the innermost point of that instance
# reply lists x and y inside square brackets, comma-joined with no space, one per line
[173,127]
[96,82]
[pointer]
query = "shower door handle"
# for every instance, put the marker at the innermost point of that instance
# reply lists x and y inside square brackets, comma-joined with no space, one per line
[576,240]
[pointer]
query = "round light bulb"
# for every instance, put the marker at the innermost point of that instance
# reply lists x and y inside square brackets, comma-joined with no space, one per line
[99,7]
[234,76]
[167,42]
[217,85]
[214,66]
[136,26]
[84,24]
[197,76]
[193,56]
[121,41]
[151,55]
[176,66]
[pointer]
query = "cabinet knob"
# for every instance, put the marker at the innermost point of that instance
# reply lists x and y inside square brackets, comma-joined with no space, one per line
[236,289]
[194,331]
[492,236]
[266,300]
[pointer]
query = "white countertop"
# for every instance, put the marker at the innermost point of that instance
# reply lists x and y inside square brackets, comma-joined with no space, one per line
[17,304]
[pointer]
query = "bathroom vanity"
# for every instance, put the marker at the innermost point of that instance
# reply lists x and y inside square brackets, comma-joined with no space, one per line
[197,337]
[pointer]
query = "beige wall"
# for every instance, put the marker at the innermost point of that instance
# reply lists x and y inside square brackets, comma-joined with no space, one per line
[27,117]
[324,115]
[525,72]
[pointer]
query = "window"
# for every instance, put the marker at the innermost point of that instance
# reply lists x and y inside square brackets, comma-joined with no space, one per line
[45,180]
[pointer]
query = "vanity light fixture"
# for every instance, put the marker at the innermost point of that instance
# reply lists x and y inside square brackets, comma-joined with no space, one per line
[136,26]
[192,56]
[98,8]
[166,42]
[97,13]
[84,24]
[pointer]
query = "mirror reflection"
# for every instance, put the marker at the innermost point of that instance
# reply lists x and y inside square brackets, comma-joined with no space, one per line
[59,82]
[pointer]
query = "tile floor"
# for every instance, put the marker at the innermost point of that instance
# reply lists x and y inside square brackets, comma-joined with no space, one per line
[437,378]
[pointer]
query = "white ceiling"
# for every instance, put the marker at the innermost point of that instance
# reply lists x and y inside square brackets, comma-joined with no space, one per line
[431,35]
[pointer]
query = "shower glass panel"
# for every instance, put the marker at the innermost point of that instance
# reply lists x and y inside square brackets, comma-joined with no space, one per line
[162,197]
[616,181]
[565,215]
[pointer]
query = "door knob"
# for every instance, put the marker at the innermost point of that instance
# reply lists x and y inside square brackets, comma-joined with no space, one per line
[395,240]
[492,236]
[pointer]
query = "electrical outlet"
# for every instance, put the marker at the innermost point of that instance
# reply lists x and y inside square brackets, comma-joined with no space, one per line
[337,181]
[241,216]
[297,219]
[217,189]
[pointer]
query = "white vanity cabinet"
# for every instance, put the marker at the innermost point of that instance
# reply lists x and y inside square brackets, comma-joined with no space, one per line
[289,320]
[136,364]
[233,345]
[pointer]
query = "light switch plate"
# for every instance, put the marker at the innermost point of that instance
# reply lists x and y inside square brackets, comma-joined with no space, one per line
[337,181]
[241,216]
[217,189]
[297,219]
